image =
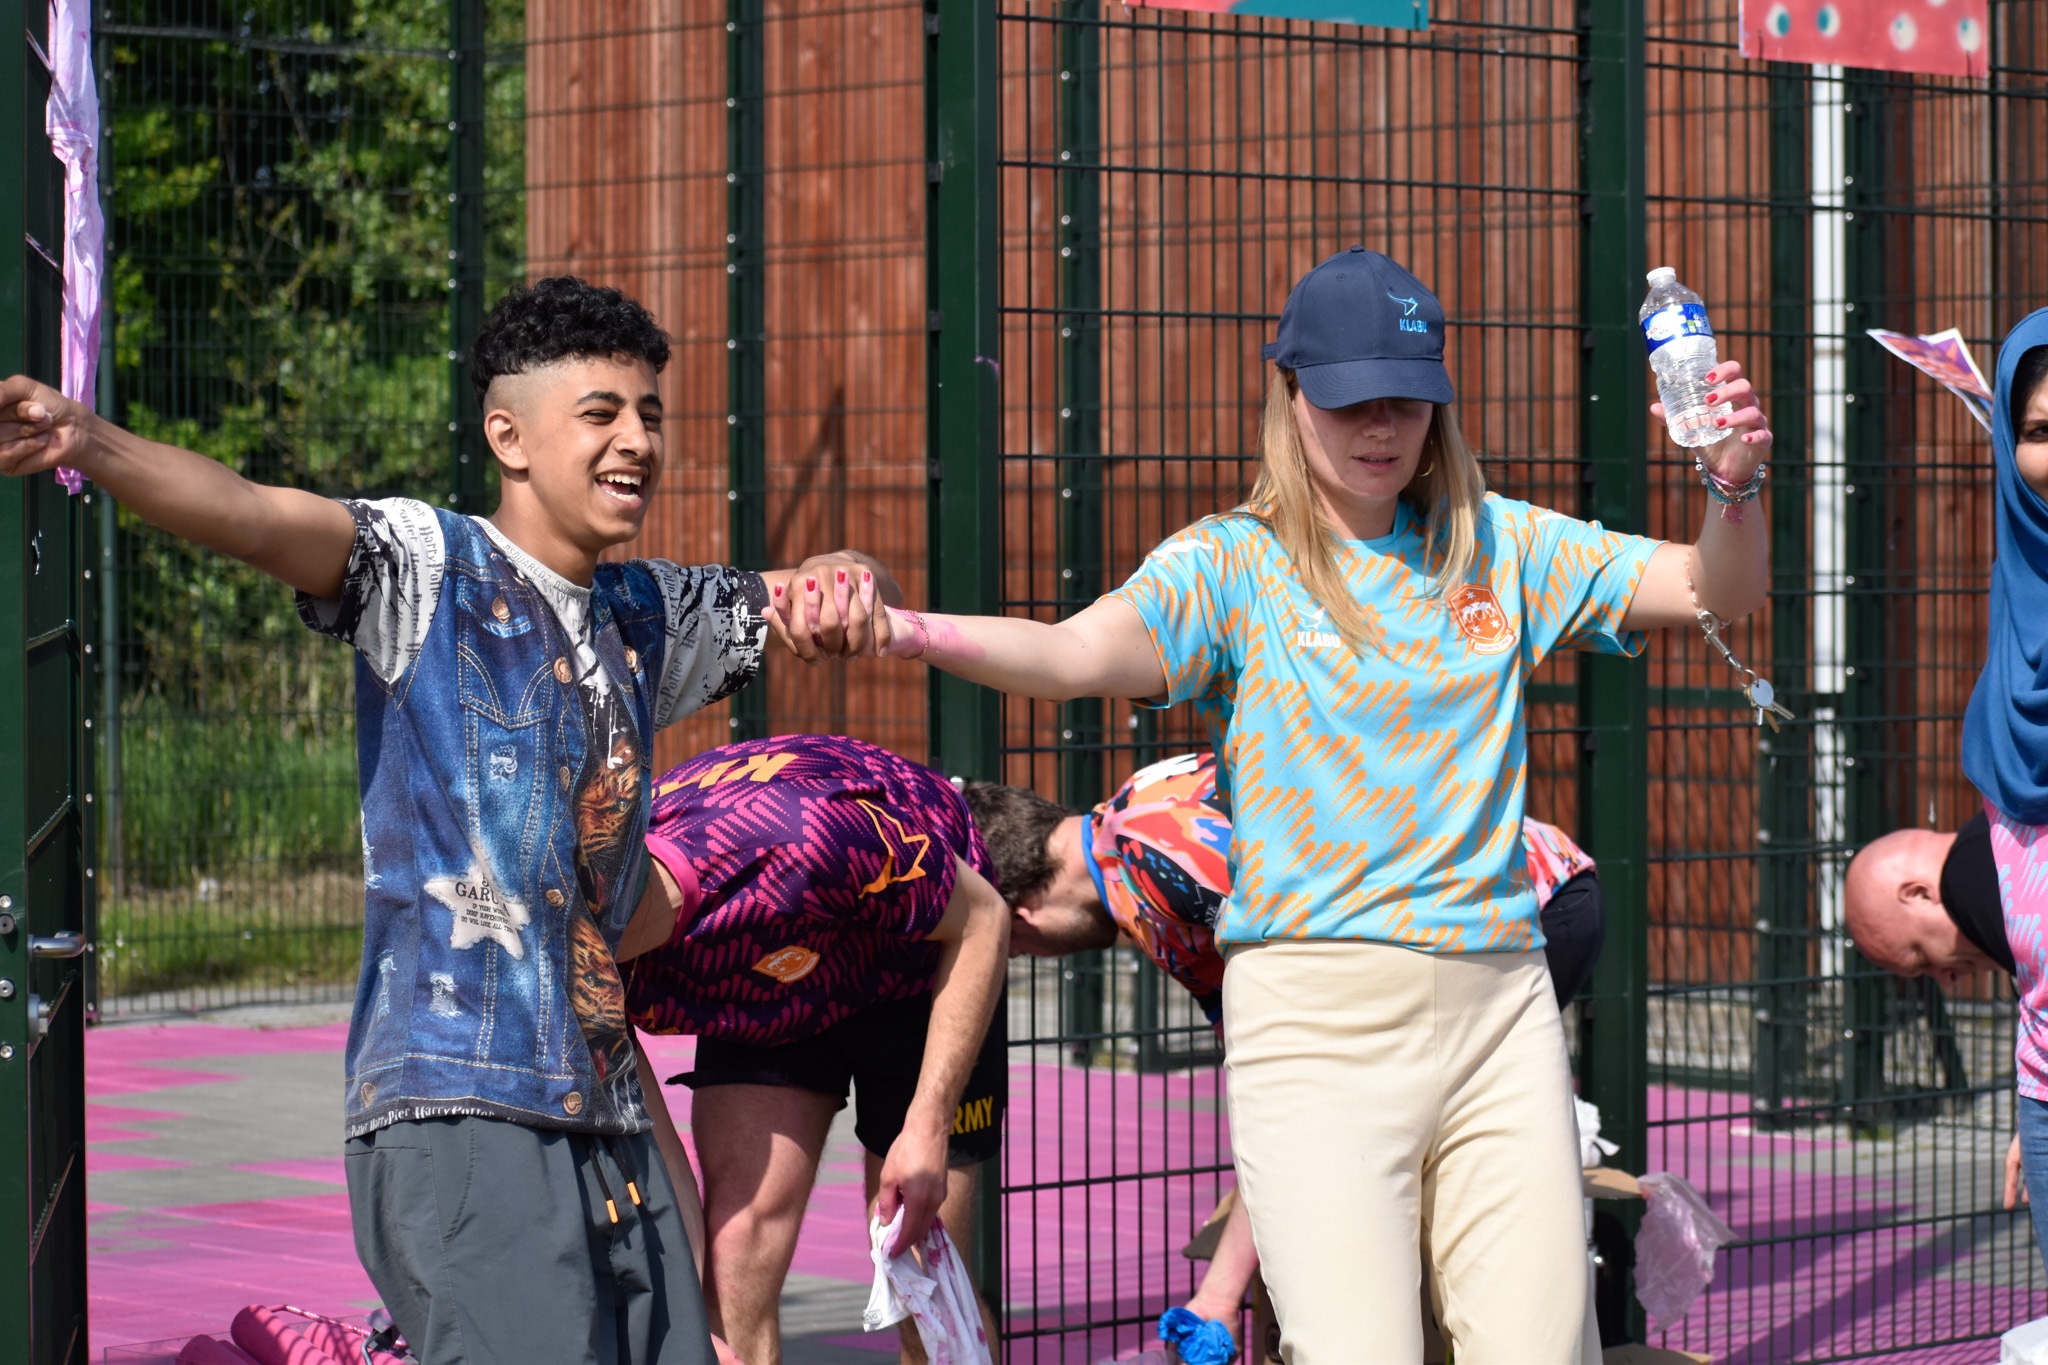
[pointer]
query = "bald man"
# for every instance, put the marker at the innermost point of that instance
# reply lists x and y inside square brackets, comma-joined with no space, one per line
[1918,902]
[1921,903]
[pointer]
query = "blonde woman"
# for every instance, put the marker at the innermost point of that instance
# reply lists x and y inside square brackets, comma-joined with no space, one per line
[1360,634]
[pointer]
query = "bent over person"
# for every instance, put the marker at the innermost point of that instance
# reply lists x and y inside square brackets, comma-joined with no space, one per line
[1149,865]
[825,921]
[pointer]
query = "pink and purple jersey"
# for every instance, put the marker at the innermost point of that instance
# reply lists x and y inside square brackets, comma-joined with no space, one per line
[813,870]
[2021,853]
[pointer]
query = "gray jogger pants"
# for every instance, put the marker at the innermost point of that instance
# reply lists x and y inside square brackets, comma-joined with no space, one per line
[490,1245]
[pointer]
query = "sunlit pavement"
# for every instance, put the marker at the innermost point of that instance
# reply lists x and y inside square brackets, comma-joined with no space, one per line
[213,1160]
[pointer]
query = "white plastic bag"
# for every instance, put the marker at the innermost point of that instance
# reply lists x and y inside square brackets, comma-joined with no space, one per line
[1592,1147]
[1675,1247]
[936,1295]
[2026,1344]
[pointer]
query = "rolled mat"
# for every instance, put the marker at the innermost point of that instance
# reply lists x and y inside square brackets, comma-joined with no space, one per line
[213,1351]
[275,1339]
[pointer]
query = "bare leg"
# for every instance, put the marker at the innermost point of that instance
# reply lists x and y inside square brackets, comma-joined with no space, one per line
[957,1213]
[759,1145]
[1221,1297]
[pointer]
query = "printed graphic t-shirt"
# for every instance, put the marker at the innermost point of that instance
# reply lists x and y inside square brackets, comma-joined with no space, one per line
[814,869]
[1158,851]
[1379,795]
[716,633]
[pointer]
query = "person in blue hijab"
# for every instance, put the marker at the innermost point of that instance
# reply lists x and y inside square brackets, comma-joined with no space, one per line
[2005,730]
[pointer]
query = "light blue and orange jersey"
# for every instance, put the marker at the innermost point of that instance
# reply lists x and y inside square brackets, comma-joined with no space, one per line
[1159,853]
[1378,794]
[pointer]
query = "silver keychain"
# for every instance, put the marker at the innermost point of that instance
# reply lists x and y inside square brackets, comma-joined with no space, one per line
[1762,697]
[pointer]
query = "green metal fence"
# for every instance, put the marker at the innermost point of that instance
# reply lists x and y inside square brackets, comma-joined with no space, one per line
[292,209]
[302,195]
[1164,179]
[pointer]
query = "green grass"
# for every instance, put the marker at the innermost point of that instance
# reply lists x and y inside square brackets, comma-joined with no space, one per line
[305,931]
[241,851]
[225,795]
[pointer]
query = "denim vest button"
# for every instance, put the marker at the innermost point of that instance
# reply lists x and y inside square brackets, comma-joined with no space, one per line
[572,1103]
[562,775]
[500,610]
[555,899]
[632,658]
[369,1094]
[562,673]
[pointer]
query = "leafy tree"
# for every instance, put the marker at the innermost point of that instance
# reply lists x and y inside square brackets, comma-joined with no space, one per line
[277,242]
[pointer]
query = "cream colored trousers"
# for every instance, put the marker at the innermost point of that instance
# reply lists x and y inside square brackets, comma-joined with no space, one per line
[1381,1100]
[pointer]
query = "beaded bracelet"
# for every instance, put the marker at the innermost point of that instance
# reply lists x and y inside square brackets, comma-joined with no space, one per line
[1731,496]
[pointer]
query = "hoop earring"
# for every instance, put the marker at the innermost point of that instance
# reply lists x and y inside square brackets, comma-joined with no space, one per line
[1429,471]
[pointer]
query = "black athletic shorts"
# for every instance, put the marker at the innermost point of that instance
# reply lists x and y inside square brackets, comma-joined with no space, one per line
[1574,924]
[878,1052]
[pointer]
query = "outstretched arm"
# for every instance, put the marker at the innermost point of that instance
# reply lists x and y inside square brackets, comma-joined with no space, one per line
[299,538]
[1729,565]
[974,953]
[1101,651]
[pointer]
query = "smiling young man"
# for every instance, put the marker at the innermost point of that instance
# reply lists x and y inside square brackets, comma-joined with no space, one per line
[509,1201]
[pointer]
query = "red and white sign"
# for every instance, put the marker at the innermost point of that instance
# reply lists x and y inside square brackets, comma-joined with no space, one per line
[1932,37]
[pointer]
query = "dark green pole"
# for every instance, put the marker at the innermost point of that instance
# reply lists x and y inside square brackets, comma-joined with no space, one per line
[470,458]
[1083,976]
[963,409]
[963,390]
[1872,104]
[1613,693]
[746,294]
[1785,928]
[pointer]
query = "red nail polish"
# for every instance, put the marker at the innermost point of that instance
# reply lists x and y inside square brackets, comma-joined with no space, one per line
[866,577]
[841,573]
[810,585]
[778,590]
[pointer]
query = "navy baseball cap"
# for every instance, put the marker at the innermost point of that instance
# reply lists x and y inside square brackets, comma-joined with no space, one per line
[1360,327]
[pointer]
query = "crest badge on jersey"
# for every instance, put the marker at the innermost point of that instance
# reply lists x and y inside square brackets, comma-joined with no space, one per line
[1480,617]
[788,965]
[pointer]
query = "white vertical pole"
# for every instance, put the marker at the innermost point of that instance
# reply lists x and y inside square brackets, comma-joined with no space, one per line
[1830,417]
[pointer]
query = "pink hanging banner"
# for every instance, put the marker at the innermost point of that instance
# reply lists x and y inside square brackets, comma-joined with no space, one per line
[73,122]
[1930,37]
[1367,13]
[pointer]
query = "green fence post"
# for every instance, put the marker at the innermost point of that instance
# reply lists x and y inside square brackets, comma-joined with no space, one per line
[1084,977]
[470,459]
[1872,103]
[45,893]
[1785,941]
[1613,693]
[746,294]
[963,411]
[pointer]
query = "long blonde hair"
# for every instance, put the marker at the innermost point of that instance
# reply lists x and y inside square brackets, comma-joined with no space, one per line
[1446,493]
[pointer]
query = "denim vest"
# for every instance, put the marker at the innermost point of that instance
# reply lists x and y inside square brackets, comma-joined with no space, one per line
[469,766]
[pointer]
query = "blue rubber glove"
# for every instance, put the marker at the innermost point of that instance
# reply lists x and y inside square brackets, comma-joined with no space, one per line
[1198,1341]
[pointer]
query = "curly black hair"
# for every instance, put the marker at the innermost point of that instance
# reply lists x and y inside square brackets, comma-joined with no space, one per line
[561,318]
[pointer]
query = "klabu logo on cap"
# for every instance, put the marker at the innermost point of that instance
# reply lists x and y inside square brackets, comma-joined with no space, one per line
[1409,322]
[1480,618]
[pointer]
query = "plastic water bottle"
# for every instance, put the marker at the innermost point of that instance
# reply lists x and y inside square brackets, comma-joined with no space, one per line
[1682,352]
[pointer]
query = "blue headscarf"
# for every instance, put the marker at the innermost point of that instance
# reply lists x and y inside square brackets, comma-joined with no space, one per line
[2005,731]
